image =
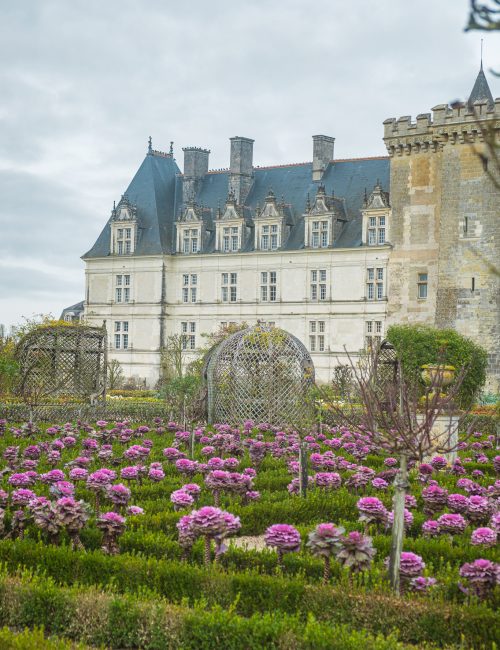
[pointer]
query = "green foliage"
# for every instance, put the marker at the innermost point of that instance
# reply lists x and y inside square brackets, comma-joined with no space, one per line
[246,593]
[34,640]
[9,368]
[114,375]
[417,345]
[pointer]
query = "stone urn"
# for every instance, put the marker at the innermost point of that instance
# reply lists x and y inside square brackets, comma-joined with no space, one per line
[436,374]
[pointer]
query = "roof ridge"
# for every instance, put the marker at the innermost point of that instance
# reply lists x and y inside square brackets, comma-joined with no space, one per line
[298,164]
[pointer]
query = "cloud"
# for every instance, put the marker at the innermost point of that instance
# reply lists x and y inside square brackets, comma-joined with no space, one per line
[84,83]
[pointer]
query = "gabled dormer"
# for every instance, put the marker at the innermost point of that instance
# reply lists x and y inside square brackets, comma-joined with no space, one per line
[323,219]
[376,217]
[189,229]
[270,224]
[123,227]
[230,226]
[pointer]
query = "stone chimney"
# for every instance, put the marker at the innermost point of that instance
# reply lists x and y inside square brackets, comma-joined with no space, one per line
[195,168]
[322,155]
[241,168]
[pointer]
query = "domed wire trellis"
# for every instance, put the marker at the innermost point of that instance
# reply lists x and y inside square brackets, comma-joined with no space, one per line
[63,360]
[261,373]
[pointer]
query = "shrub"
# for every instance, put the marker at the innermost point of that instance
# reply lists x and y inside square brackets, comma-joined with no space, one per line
[417,345]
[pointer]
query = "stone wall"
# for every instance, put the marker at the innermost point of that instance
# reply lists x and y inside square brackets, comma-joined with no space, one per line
[446,223]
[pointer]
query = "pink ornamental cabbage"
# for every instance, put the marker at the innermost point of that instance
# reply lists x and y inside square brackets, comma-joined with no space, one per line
[357,552]
[192,489]
[380,484]
[135,510]
[411,565]
[283,537]
[22,496]
[78,474]
[457,503]
[408,519]
[328,480]
[421,584]
[481,575]
[371,510]
[181,499]
[484,537]
[52,476]
[451,524]
[156,474]
[478,508]
[186,466]
[430,528]
[494,521]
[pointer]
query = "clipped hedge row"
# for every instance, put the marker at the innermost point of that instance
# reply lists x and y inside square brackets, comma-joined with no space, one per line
[136,412]
[122,621]
[34,640]
[418,619]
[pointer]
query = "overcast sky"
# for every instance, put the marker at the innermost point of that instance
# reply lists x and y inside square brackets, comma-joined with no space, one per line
[83,83]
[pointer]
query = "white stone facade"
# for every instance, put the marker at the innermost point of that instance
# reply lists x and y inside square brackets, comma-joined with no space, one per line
[336,320]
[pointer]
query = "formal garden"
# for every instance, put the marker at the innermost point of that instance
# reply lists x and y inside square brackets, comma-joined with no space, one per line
[345,520]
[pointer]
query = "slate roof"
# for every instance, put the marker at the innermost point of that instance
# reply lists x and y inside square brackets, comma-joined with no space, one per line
[77,308]
[156,189]
[481,90]
[152,190]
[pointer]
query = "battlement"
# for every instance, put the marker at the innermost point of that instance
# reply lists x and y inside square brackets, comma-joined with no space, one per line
[448,124]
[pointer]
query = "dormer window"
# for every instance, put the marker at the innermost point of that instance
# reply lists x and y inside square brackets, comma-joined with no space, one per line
[229,227]
[269,237]
[190,240]
[124,241]
[123,227]
[189,229]
[320,234]
[231,239]
[269,224]
[323,220]
[376,230]
[376,214]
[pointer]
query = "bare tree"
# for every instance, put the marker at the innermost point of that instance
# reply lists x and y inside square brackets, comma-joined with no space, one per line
[484,16]
[401,415]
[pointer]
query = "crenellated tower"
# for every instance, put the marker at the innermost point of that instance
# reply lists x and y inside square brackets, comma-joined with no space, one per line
[445,226]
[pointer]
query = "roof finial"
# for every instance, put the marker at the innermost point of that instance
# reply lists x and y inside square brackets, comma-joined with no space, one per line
[481,54]
[171,152]
[150,145]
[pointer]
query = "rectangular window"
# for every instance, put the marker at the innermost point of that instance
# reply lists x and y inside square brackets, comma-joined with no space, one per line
[318,285]
[422,284]
[229,282]
[268,290]
[376,230]
[373,333]
[317,336]
[188,334]
[124,241]
[375,283]
[122,290]
[121,335]
[320,234]
[189,284]
[190,240]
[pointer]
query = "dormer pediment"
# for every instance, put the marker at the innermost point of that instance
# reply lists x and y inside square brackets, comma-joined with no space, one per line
[271,209]
[192,214]
[378,199]
[232,211]
[124,211]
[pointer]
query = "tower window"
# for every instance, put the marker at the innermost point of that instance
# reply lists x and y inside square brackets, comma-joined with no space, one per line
[422,286]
